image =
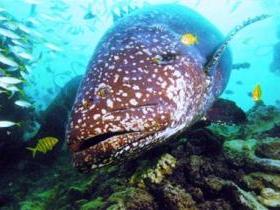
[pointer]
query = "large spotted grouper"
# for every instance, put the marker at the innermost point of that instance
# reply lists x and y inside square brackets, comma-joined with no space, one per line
[145,84]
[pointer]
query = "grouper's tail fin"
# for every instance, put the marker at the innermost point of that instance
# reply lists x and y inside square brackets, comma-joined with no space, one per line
[219,52]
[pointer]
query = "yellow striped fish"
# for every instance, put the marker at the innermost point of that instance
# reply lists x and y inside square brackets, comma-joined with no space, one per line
[257,93]
[44,145]
[189,39]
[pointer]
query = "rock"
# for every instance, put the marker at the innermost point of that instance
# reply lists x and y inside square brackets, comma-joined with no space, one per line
[242,153]
[274,132]
[269,197]
[227,119]
[130,199]
[215,184]
[190,172]
[203,142]
[269,148]
[241,198]
[195,165]
[156,174]
[217,204]
[266,185]
[262,122]
[197,194]
[176,198]
[259,180]
[239,152]
[226,111]
[227,131]
[261,119]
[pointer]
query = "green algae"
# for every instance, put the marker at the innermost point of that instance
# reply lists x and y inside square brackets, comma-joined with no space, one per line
[34,205]
[227,131]
[130,198]
[40,201]
[95,204]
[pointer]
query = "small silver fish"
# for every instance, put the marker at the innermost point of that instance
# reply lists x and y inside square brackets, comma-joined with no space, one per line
[10,80]
[24,75]
[53,47]
[24,28]
[33,22]
[7,124]
[49,17]
[18,43]
[4,85]
[7,61]
[2,18]
[13,89]
[3,91]
[25,55]
[23,104]
[9,34]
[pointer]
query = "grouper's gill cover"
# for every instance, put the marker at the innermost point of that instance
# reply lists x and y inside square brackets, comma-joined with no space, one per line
[128,102]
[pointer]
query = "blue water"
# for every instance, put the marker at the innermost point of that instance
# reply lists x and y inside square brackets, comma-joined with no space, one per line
[63,23]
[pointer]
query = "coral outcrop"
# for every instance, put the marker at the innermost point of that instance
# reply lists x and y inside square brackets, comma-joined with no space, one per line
[228,164]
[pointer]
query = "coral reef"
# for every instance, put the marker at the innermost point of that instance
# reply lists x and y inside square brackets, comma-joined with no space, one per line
[269,148]
[157,174]
[268,186]
[262,121]
[232,163]
[226,111]
[242,153]
[269,197]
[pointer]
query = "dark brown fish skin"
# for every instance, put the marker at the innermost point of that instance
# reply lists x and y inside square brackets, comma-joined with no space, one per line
[127,102]
[131,144]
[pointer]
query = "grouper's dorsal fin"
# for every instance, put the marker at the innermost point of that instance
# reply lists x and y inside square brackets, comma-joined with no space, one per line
[219,52]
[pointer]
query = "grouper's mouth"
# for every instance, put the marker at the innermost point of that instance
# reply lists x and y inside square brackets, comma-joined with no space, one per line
[130,136]
[100,150]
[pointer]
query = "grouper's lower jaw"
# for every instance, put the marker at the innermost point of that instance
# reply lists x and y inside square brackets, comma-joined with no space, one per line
[110,150]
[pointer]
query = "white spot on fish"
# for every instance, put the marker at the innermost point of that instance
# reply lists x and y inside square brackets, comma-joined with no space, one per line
[109,103]
[138,95]
[97,130]
[133,102]
[116,78]
[135,87]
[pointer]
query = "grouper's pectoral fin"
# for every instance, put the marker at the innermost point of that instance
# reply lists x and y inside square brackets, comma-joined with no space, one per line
[215,58]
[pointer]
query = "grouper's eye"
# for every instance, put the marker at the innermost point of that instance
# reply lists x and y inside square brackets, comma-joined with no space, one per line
[167,58]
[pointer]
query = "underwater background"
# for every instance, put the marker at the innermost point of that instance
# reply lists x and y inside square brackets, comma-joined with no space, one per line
[47,44]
